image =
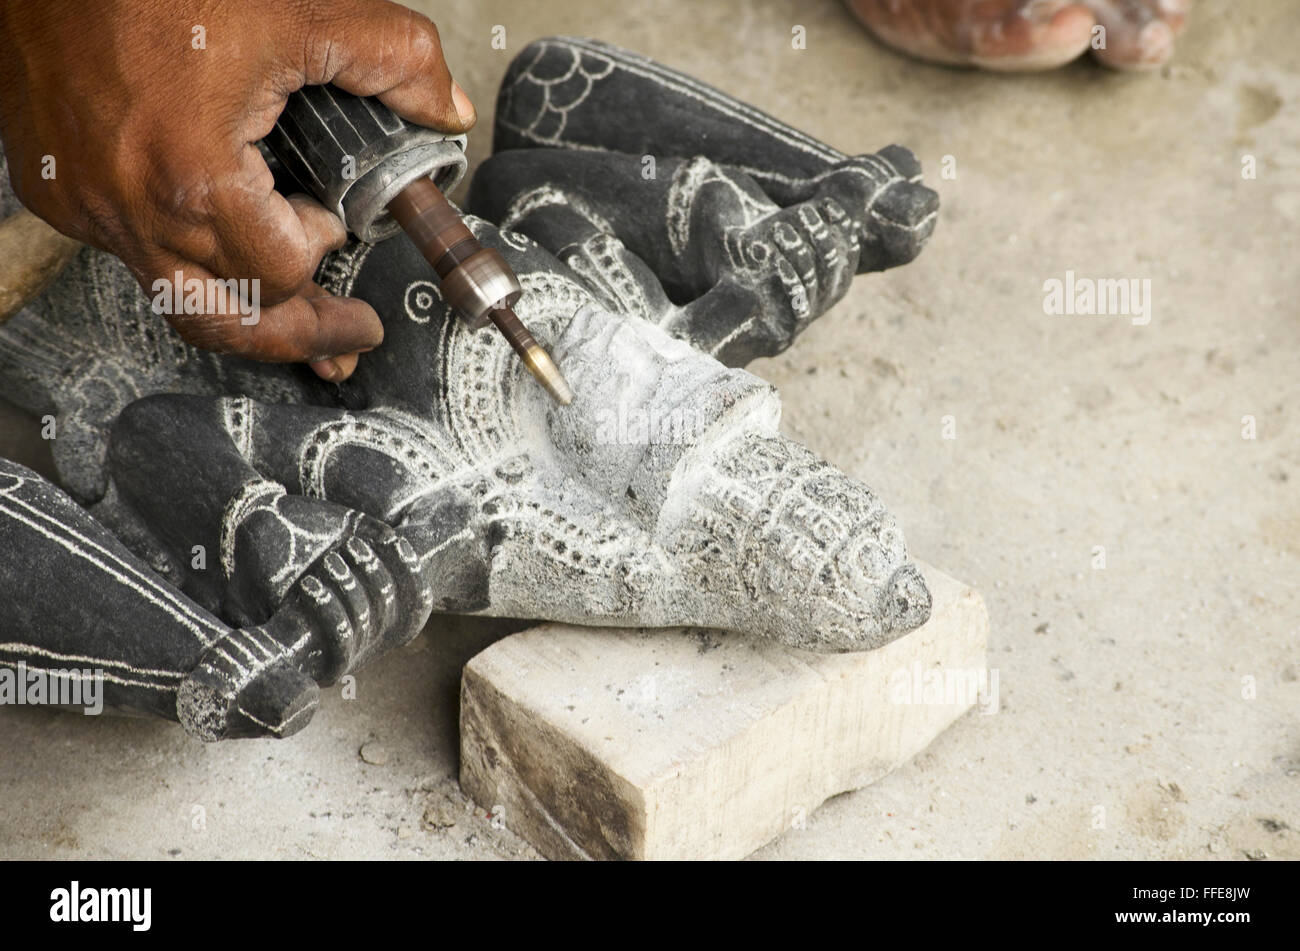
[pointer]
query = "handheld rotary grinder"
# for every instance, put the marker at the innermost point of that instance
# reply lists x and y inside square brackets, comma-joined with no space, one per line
[381,174]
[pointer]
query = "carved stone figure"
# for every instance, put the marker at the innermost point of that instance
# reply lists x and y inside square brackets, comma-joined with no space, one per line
[244,532]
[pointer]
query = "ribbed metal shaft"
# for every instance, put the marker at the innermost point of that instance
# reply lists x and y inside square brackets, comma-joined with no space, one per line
[476,281]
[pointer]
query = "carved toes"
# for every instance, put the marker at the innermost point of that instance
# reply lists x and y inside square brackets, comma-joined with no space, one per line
[799,262]
[366,595]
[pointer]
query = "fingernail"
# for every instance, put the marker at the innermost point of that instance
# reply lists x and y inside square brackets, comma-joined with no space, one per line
[460,100]
[328,370]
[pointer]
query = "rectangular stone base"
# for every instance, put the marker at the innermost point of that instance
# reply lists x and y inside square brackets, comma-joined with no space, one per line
[693,744]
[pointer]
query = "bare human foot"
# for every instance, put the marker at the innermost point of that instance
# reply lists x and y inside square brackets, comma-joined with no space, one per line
[1020,35]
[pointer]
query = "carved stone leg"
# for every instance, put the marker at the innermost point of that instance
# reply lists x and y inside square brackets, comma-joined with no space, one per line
[76,599]
[324,586]
[744,273]
[564,92]
[570,94]
[748,274]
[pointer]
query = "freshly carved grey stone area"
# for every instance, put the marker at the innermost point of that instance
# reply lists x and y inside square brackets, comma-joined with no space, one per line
[243,533]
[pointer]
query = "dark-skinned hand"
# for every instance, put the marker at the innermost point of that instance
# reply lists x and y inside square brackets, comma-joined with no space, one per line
[150,110]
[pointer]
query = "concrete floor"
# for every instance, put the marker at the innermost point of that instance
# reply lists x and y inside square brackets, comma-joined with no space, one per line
[1123,729]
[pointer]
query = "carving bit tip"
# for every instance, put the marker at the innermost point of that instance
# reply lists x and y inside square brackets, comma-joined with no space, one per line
[537,360]
[541,366]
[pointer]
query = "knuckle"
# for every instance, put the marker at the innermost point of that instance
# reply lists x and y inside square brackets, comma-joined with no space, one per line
[99,223]
[298,266]
[317,25]
[208,334]
[182,190]
[424,44]
[281,276]
[425,39]
[320,58]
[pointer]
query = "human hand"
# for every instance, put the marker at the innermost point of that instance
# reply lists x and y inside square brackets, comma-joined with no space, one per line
[131,125]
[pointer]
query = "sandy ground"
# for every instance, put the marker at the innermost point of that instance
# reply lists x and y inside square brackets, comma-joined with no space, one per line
[1148,709]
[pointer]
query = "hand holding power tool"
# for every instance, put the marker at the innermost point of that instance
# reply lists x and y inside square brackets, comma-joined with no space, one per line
[379,173]
[131,126]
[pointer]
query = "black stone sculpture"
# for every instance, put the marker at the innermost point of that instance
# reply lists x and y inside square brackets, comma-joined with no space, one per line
[243,533]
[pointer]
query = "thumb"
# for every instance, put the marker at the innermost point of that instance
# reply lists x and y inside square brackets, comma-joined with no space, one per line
[377,48]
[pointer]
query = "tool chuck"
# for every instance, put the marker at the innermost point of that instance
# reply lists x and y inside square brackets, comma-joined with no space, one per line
[379,173]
